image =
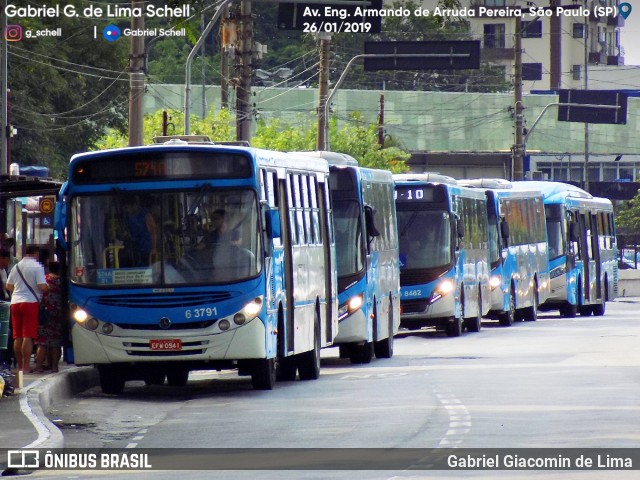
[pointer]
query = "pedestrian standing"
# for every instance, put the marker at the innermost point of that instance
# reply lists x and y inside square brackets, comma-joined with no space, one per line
[6,355]
[26,283]
[51,332]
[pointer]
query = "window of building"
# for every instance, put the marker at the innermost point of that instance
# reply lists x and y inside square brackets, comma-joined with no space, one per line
[577,71]
[531,29]
[625,172]
[494,3]
[578,30]
[532,71]
[494,35]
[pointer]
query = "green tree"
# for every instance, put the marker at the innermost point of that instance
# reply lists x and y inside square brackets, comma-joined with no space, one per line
[219,127]
[64,91]
[356,138]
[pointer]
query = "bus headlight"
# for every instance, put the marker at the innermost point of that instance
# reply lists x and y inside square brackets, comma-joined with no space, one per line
[252,309]
[91,324]
[80,315]
[355,303]
[495,281]
[444,288]
[352,305]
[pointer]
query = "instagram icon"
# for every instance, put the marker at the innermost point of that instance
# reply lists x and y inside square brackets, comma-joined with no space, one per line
[13,33]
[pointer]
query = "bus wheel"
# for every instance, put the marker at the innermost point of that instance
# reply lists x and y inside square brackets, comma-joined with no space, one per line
[454,327]
[507,318]
[263,374]
[361,353]
[530,314]
[177,377]
[585,310]
[309,362]
[286,369]
[384,348]
[111,379]
[598,309]
[569,311]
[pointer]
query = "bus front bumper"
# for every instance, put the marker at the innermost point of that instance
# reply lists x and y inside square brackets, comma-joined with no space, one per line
[354,328]
[245,342]
[421,311]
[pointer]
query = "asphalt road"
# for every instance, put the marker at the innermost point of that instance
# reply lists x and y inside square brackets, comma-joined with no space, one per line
[555,383]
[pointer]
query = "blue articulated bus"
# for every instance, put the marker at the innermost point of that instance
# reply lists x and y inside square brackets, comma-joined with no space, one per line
[444,259]
[582,249]
[518,251]
[364,216]
[187,256]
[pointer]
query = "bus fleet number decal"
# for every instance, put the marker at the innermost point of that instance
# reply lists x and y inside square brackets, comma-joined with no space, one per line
[207,312]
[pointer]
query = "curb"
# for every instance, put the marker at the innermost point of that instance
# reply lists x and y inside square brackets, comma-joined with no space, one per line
[38,397]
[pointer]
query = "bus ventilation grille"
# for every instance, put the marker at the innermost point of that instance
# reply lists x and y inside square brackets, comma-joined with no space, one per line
[163,301]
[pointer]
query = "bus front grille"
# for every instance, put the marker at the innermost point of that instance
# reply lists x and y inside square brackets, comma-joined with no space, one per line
[173,326]
[177,300]
[420,276]
[413,306]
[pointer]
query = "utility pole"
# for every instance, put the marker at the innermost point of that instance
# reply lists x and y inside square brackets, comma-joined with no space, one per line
[243,89]
[586,87]
[224,57]
[4,85]
[518,150]
[381,123]
[136,80]
[323,91]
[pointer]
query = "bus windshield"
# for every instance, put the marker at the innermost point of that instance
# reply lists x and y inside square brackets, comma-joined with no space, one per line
[164,238]
[554,231]
[346,217]
[425,238]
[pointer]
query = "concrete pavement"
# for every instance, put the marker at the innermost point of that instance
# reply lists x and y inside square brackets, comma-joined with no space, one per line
[23,419]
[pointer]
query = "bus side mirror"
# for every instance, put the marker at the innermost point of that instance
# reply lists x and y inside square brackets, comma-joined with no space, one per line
[574,236]
[504,229]
[60,217]
[273,224]
[372,231]
[460,228]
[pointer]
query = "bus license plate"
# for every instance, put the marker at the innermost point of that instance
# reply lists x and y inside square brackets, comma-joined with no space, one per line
[166,344]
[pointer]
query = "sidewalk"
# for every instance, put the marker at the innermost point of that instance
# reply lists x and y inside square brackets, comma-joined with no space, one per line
[23,421]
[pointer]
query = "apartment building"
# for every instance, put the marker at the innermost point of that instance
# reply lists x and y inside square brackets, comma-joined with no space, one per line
[554,54]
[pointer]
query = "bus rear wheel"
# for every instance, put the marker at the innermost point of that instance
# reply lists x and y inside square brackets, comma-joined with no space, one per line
[569,311]
[309,362]
[111,379]
[598,309]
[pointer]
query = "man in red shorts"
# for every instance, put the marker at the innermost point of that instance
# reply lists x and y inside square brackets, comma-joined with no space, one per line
[24,304]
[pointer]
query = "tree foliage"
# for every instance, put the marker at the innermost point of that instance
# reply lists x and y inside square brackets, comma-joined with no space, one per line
[62,93]
[356,138]
[219,127]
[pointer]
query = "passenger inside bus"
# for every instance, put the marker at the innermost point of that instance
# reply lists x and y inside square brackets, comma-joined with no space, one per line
[140,244]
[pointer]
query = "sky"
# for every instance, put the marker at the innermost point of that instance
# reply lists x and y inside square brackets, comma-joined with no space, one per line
[630,36]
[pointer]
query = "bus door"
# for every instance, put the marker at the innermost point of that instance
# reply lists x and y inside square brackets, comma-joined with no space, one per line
[584,248]
[596,234]
[328,240]
[288,238]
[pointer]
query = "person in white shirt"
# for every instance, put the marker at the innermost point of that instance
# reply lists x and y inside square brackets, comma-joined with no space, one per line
[24,304]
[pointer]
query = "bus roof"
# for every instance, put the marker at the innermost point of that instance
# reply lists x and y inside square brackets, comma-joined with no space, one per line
[334,158]
[426,177]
